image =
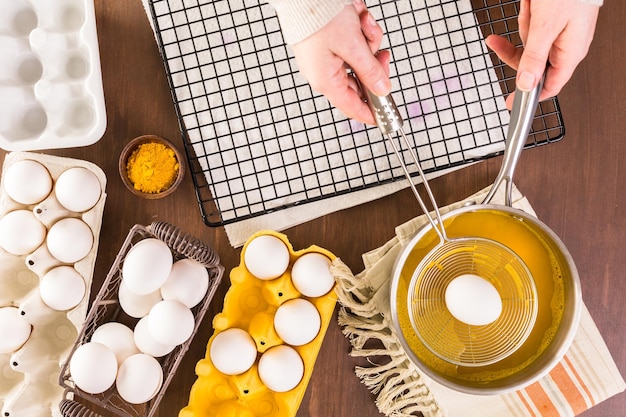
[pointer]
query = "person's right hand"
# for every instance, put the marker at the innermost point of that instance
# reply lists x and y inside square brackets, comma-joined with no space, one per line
[556,35]
[350,40]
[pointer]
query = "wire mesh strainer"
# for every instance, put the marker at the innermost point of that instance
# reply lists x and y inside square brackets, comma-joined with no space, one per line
[461,343]
[443,333]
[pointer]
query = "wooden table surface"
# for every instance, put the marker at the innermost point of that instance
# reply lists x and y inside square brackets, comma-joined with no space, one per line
[576,186]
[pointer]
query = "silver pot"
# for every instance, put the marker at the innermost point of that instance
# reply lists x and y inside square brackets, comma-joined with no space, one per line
[558,289]
[555,286]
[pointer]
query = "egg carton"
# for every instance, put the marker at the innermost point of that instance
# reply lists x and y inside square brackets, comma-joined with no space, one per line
[250,304]
[50,75]
[28,376]
[106,308]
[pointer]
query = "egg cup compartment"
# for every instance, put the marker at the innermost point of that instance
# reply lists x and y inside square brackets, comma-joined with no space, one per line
[28,375]
[50,75]
[250,304]
[107,308]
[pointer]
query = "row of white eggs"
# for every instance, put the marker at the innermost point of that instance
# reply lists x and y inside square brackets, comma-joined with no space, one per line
[68,240]
[267,257]
[297,321]
[29,182]
[160,293]
[281,368]
[22,230]
[61,287]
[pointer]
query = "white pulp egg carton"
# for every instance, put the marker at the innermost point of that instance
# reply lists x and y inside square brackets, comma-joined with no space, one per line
[50,75]
[29,376]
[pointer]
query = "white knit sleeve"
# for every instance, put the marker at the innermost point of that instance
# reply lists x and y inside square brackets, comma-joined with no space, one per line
[301,18]
[596,2]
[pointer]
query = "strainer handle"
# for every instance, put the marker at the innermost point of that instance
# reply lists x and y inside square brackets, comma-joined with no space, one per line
[522,115]
[389,121]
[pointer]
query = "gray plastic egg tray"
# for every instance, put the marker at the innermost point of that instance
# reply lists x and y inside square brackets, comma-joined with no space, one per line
[50,75]
[29,376]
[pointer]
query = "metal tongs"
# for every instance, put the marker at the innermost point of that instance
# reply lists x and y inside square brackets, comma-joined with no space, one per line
[389,121]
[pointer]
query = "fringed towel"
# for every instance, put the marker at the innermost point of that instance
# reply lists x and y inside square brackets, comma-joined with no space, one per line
[573,386]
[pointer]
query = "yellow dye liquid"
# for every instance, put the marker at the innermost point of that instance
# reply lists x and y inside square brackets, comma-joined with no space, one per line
[545,264]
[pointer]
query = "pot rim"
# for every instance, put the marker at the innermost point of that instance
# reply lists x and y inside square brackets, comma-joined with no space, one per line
[547,360]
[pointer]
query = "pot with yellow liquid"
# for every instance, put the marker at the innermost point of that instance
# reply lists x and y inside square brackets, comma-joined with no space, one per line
[486,299]
[556,299]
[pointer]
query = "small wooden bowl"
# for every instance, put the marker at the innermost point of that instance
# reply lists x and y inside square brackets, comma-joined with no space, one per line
[130,148]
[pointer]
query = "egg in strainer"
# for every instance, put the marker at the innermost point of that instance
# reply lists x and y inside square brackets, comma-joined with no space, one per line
[453,335]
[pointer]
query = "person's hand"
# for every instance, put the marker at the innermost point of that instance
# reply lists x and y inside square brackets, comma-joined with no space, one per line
[350,40]
[557,32]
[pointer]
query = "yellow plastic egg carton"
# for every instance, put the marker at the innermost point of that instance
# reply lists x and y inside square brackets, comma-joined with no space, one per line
[250,304]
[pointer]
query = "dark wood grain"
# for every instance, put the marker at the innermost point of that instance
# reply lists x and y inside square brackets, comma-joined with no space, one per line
[577,187]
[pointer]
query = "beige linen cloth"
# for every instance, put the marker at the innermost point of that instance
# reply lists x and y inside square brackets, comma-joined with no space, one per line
[586,375]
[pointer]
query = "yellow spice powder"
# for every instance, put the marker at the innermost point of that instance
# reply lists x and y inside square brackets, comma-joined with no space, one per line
[152,167]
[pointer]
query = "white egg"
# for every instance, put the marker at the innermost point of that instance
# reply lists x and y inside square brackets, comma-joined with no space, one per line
[21,232]
[117,337]
[233,351]
[147,265]
[188,282]
[473,300]
[137,305]
[311,274]
[62,288]
[93,367]
[171,322]
[139,378]
[146,343]
[70,240]
[14,328]
[297,321]
[281,368]
[77,189]
[27,181]
[266,257]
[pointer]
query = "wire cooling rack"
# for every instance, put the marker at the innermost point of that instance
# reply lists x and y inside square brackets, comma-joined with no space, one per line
[258,139]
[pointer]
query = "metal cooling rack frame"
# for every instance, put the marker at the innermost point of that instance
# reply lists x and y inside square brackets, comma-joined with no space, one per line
[259,140]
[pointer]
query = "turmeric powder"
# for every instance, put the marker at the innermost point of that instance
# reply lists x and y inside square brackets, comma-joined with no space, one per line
[152,167]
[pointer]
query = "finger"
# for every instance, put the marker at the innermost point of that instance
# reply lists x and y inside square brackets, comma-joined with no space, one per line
[557,76]
[532,63]
[357,54]
[505,50]
[342,92]
[359,6]
[351,104]
[545,94]
[384,57]
[523,20]
[371,30]
[354,85]
[568,51]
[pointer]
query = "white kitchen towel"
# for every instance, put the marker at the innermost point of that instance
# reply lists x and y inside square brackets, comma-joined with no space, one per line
[266,142]
[586,376]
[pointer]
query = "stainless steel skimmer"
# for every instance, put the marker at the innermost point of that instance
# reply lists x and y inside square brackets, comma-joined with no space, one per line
[457,342]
